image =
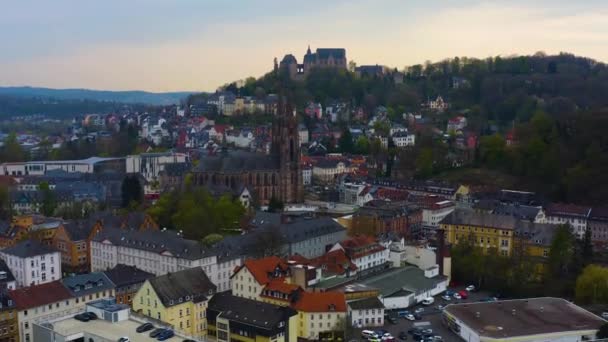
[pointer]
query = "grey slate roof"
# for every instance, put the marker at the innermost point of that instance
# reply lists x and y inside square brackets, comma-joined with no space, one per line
[29,248]
[124,275]
[250,312]
[237,161]
[155,241]
[367,303]
[523,212]
[79,230]
[189,284]
[470,218]
[298,228]
[84,284]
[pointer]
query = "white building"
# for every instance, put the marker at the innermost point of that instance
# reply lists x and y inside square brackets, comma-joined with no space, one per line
[149,165]
[366,313]
[40,168]
[364,252]
[32,263]
[354,193]
[327,170]
[433,214]
[306,176]
[160,252]
[574,215]
[303,134]
[522,320]
[47,302]
[404,139]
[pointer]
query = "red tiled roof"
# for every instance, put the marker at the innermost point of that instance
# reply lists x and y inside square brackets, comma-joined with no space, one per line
[321,302]
[334,262]
[261,268]
[358,241]
[39,295]
[281,286]
[567,209]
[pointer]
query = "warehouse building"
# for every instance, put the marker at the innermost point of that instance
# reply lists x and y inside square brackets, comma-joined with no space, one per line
[522,320]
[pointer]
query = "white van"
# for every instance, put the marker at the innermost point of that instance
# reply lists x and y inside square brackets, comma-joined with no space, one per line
[366,334]
[428,301]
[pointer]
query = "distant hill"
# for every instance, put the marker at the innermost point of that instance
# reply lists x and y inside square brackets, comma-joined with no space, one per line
[131,96]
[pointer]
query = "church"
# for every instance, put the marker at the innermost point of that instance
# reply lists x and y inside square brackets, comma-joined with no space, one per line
[277,174]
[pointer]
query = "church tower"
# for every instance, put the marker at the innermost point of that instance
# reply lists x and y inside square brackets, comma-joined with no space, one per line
[286,148]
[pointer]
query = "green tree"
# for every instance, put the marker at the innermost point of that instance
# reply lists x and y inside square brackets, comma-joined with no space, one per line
[212,239]
[561,252]
[362,145]
[602,333]
[587,252]
[131,191]
[275,205]
[424,163]
[5,203]
[11,150]
[592,285]
[492,150]
[345,143]
[49,203]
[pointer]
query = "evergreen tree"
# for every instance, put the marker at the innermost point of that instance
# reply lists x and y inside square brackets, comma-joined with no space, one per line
[131,191]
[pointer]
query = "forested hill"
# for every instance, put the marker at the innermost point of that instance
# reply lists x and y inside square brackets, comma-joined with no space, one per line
[134,96]
[497,89]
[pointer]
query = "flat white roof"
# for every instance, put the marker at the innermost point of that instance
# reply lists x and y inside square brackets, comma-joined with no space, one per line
[105,329]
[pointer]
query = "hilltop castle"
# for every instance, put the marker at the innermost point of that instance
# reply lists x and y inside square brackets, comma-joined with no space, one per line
[322,58]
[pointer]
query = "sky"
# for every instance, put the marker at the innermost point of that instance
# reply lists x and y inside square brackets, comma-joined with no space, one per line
[199,45]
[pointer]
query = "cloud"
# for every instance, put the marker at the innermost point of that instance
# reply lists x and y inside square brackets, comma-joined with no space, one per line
[178,53]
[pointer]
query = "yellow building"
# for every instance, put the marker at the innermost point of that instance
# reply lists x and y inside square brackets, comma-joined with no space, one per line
[179,299]
[321,315]
[233,318]
[250,279]
[501,232]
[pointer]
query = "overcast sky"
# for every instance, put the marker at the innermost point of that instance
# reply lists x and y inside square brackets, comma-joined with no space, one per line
[166,45]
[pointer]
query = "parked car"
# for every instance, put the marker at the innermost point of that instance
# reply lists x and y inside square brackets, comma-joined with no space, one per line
[464,294]
[144,327]
[428,301]
[165,335]
[387,337]
[470,288]
[402,336]
[417,316]
[92,316]
[446,297]
[368,333]
[392,320]
[427,331]
[403,313]
[413,330]
[82,317]
[410,317]
[440,307]
[605,314]
[449,292]
[419,310]
[457,296]
[156,332]
[124,339]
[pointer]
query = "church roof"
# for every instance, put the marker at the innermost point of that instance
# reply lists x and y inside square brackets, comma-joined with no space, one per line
[235,161]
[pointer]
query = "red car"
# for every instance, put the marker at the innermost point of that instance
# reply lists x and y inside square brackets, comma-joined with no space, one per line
[464,294]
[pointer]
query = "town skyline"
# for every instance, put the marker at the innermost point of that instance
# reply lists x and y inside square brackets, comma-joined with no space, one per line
[160,48]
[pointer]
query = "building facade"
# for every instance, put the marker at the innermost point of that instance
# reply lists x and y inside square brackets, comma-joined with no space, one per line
[32,263]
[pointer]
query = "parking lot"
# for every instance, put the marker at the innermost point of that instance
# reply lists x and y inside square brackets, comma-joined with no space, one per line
[430,318]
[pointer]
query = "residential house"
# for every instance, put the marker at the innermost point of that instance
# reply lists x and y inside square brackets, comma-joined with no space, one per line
[303,134]
[438,104]
[322,315]
[72,239]
[366,313]
[179,299]
[87,287]
[9,326]
[127,280]
[364,252]
[456,124]
[250,279]
[404,139]
[574,215]
[354,193]
[379,217]
[32,263]
[327,170]
[234,318]
[41,303]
